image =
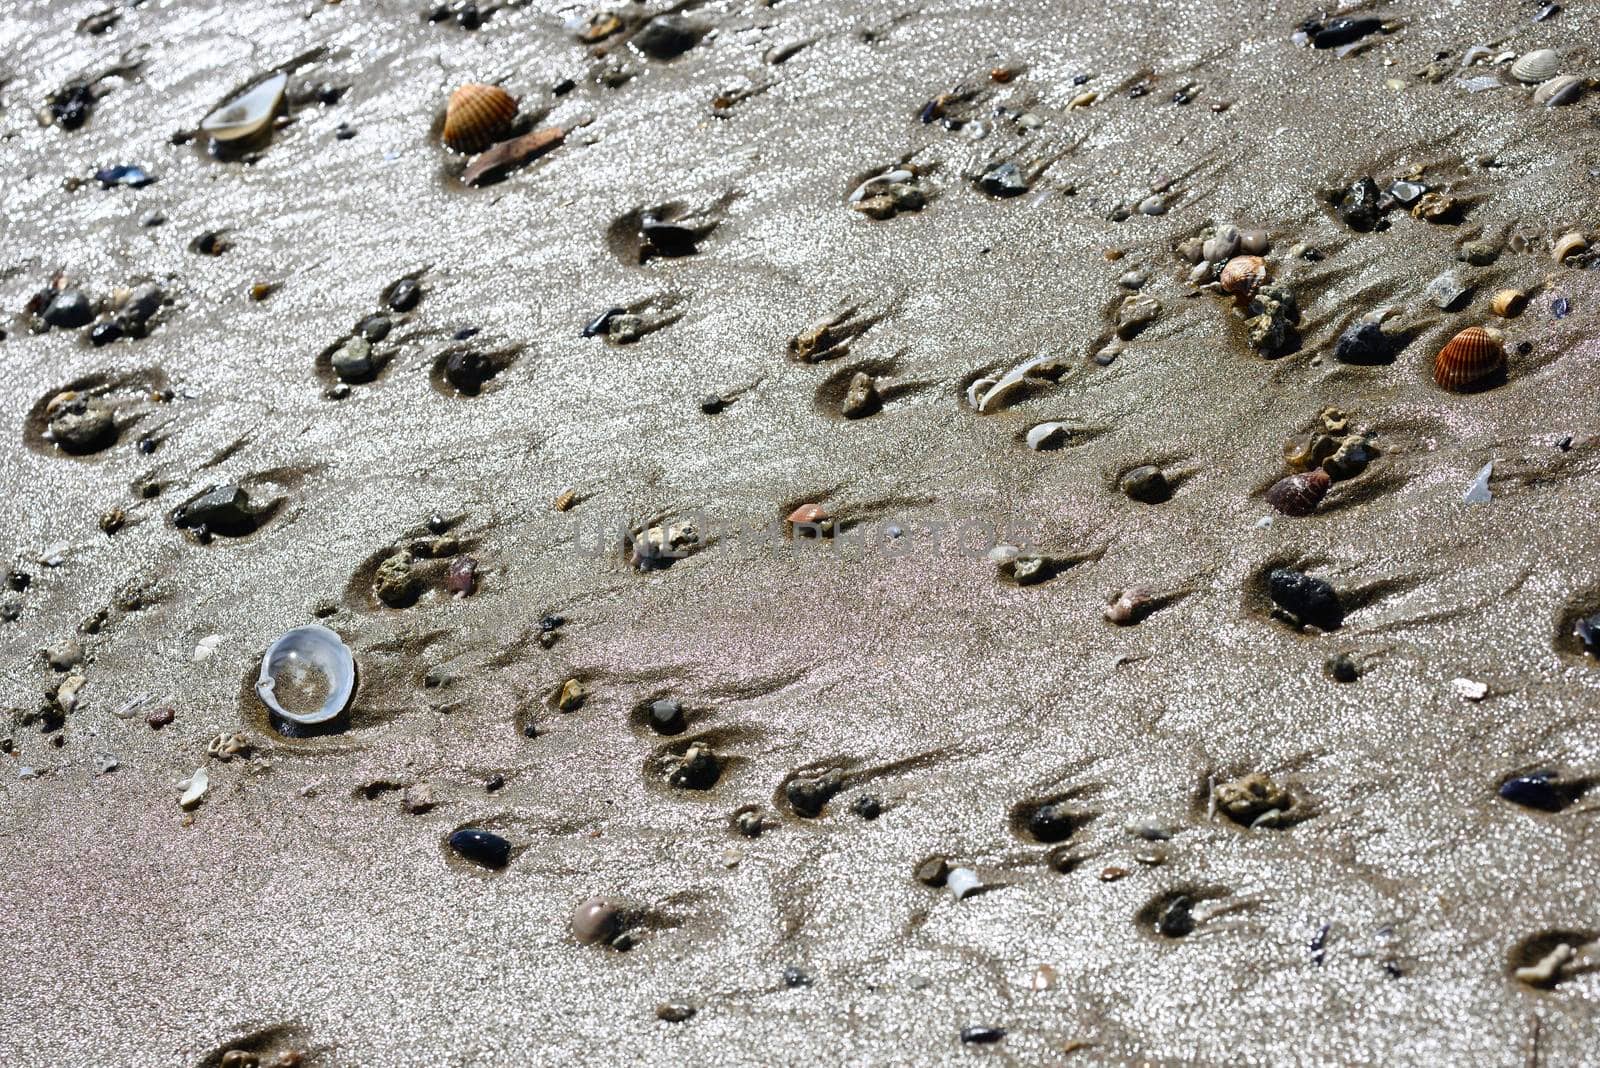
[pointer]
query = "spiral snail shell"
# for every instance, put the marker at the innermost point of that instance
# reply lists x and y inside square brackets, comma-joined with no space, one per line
[1470,359]
[477,116]
[1299,495]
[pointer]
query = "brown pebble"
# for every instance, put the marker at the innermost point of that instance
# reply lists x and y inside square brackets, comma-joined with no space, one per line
[1112,874]
[1002,75]
[674,1011]
[160,718]
[932,872]
[596,920]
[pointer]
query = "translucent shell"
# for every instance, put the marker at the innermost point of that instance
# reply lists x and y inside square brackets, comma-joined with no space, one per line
[307,665]
[477,116]
[1299,495]
[1470,359]
[248,113]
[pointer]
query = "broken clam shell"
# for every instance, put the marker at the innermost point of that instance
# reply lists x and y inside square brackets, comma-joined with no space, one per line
[307,676]
[248,113]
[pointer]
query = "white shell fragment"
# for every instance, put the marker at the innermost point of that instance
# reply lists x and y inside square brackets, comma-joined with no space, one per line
[248,113]
[1009,382]
[1478,492]
[1048,435]
[1469,689]
[204,648]
[963,882]
[307,676]
[194,788]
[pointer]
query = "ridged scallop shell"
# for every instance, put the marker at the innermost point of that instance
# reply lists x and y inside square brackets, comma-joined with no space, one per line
[1471,357]
[1508,303]
[248,113]
[477,116]
[1299,494]
[1243,274]
[1559,91]
[1538,66]
[1569,245]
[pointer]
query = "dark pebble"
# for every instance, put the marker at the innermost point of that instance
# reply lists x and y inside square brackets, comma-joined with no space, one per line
[466,332]
[1358,205]
[1338,32]
[374,328]
[344,132]
[1003,180]
[982,1036]
[1560,307]
[404,295]
[1176,919]
[1362,342]
[1310,600]
[666,36]
[550,623]
[10,610]
[210,243]
[105,333]
[123,174]
[793,977]
[1341,668]
[467,370]
[462,577]
[71,106]
[808,795]
[1146,484]
[867,807]
[674,1011]
[481,847]
[468,18]
[712,404]
[69,310]
[932,872]
[1533,791]
[160,718]
[221,508]
[18,580]
[1052,822]
[666,716]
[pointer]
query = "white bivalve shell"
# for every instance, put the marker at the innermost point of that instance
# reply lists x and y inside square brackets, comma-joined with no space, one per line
[308,676]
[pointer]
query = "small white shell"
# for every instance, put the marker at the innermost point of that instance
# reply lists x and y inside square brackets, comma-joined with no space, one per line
[1569,245]
[1478,492]
[1559,91]
[248,113]
[194,788]
[962,882]
[1047,435]
[1010,381]
[298,656]
[1537,66]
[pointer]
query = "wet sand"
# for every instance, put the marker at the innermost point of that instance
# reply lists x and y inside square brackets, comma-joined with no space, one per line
[300,906]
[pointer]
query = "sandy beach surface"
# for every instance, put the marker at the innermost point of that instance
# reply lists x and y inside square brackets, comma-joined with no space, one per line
[919,802]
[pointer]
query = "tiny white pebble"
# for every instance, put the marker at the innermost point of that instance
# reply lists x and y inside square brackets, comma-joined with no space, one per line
[963,882]
[1469,689]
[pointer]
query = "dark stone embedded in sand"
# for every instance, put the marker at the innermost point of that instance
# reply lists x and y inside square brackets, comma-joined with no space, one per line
[932,872]
[374,328]
[79,423]
[667,36]
[221,509]
[70,107]
[481,847]
[794,976]
[506,156]
[69,310]
[674,1011]
[1358,205]
[467,370]
[1053,822]
[1309,600]
[698,769]
[1176,918]
[1535,791]
[1362,343]
[1003,180]
[1587,631]
[867,807]
[713,404]
[404,295]
[808,794]
[353,361]
[1147,484]
[1341,668]
[1340,31]
[666,716]
[105,333]
[982,1036]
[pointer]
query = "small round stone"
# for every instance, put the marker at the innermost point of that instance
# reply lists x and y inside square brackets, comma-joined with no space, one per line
[675,1011]
[932,872]
[596,920]
[69,310]
[867,807]
[1147,484]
